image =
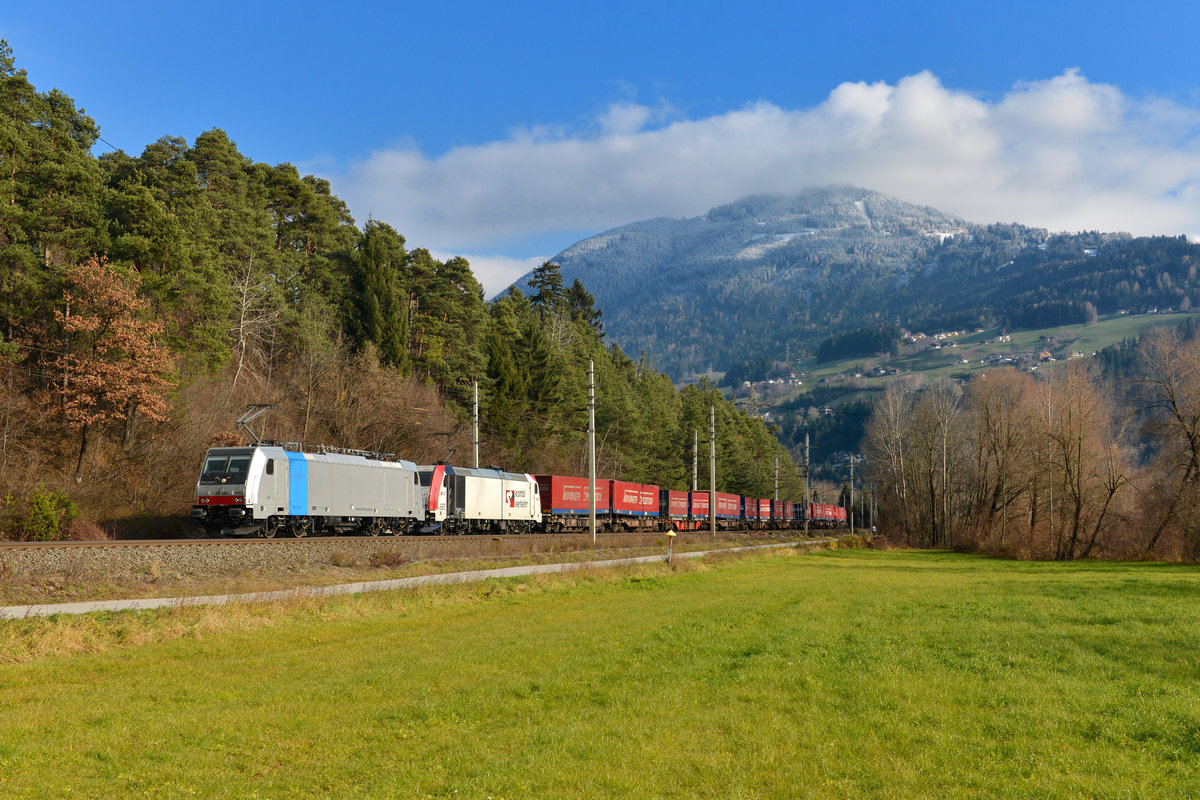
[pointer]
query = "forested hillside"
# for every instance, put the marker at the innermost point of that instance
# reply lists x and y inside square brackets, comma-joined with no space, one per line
[146,300]
[768,280]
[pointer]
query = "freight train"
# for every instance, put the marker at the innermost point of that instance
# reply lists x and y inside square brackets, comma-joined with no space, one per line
[270,488]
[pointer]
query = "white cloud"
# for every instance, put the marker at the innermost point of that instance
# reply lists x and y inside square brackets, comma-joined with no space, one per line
[495,273]
[624,118]
[1063,153]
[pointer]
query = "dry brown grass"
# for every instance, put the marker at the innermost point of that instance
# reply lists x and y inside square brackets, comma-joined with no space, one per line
[405,559]
[45,637]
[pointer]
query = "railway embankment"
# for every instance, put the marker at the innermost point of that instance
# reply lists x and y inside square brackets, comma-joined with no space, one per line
[83,571]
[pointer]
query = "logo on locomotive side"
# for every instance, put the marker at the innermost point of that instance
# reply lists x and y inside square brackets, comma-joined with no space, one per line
[516,498]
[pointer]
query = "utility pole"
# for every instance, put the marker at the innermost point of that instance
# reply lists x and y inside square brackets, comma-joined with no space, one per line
[712,471]
[872,509]
[475,427]
[807,494]
[852,494]
[592,450]
[695,460]
[776,479]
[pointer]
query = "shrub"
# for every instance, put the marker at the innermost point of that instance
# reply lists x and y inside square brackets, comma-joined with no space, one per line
[82,529]
[40,517]
[388,557]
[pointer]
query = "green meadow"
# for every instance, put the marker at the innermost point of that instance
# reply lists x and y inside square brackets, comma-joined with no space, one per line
[842,674]
[976,347]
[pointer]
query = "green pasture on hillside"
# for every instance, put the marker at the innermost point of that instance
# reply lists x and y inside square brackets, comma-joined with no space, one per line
[842,674]
[935,365]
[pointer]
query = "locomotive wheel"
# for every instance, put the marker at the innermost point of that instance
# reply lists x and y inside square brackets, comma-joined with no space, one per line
[375,527]
[270,528]
[300,527]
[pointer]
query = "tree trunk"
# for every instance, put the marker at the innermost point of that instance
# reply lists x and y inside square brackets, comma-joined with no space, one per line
[83,443]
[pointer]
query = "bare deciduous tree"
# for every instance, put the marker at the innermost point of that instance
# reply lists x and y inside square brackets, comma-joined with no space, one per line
[1001,419]
[1171,397]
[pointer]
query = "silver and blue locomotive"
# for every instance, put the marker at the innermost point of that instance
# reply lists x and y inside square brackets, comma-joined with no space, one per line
[266,489]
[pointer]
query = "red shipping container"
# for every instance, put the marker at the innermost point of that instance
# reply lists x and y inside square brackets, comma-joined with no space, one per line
[567,495]
[728,505]
[820,511]
[626,498]
[764,509]
[749,508]
[699,507]
[649,495]
[672,504]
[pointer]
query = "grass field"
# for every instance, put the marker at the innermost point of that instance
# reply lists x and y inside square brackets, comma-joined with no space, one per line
[841,674]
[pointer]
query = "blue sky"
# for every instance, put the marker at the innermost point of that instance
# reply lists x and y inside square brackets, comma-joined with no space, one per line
[507,131]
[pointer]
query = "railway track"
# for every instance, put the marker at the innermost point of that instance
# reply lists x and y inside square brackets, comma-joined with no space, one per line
[255,541]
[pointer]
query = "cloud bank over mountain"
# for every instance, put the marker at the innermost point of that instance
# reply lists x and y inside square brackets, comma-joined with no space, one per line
[1062,153]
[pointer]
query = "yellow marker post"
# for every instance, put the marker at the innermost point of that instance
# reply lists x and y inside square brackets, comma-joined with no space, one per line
[670,542]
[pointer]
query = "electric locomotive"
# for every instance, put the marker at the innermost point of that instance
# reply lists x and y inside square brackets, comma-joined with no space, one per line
[266,489]
[468,500]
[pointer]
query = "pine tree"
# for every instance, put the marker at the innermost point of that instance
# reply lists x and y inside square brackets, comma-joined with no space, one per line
[547,285]
[374,312]
[233,227]
[582,307]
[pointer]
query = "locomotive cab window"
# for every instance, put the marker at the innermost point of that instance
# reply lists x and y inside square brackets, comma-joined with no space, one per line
[270,466]
[225,469]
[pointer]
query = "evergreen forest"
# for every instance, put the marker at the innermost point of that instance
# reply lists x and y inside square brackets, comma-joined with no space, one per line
[147,299]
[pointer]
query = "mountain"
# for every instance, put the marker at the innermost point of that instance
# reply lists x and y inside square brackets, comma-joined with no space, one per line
[763,274]
[768,278]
